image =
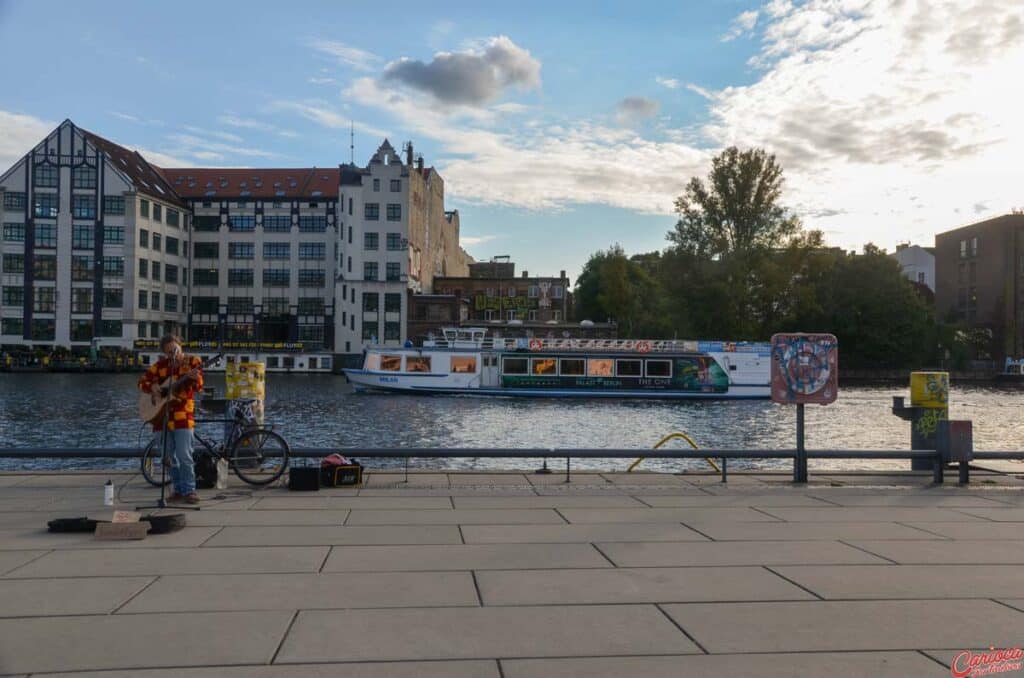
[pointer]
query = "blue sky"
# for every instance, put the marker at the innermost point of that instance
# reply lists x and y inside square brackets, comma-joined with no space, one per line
[560,128]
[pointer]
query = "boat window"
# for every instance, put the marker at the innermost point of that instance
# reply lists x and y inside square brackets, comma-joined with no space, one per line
[600,367]
[628,368]
[463,363]
[417,363]
[542,366]
[272,362]
[515,365]
[570,366]
[372,361]
[391,363]
[659,368]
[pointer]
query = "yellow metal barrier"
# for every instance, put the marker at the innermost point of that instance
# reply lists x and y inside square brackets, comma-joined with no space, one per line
[672,436]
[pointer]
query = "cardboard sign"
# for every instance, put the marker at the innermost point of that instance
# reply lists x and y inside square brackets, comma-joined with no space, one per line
[805,369]
[121,531]
[126,517]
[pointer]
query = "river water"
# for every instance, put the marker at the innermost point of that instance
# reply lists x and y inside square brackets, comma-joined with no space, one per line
[71,410]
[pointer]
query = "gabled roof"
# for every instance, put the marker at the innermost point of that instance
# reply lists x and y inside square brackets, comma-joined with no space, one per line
[147,178]
[264,184]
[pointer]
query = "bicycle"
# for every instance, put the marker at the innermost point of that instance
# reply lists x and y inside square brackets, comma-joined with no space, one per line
[256,454]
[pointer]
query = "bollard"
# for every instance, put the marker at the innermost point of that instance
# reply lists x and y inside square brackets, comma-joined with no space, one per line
[929,404]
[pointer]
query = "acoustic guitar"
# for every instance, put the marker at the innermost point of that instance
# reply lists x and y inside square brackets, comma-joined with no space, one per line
[151,405]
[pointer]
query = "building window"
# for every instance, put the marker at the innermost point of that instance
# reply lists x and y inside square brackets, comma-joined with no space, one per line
[114,235]
[46,205]
[396,185]
[81,268]
[241,277]
[171,273]
[394,212]
[143,268]
[277,223]
[157,212]
[143,238]
[81,300]
[14,232]
[172,217]
[12,326]
[144,208]
[312,223]
[974,247]
[312,250]
[533,292]
[81,330]
[276,277]
[242,223]
[241,250]
[45,267]
[371,211]
[276,250]
[83,176]
[43,330]
[556,316]
[46,175]
[154,302]
[205,305]
[240,305]
[394,270]
[511,292]
[206,277]
[510,315]
[46,236]
[973,272]
[490,314]
[371,302]
[556,291]
[14,296]
[392,331]
[111,328]
[14,201]
[155,270]
[113,267]
[392,303]
[370,270]
[157,242]
[369,331]
[312,306]
[312,277]
[14,263]
[206,223]
[207,250]
[171,245]
[376,185]
[143,299]
[272,305]
[113,205]
[395,242]
[45,299]
[171,303]
[371,241]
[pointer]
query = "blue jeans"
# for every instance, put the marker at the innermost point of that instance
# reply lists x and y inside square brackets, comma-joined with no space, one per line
[179,450]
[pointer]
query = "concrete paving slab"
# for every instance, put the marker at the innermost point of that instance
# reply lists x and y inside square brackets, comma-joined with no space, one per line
[909,499]
[139,641]
[267,518]
[1001,515]
[634,585]
[809,531]
[378,479]
[123,563]
[847,625]
[557,476]
[48,597]
[804,665]
[725,500]
[993,552]
[457,491]
[335,535]
[866,514]
[726,553]
[12,559]
[1017,603]
[621,532]
[217,593]
[644,479]
[665,515]
[880,582]
[321,503]
[477,633]
[433,669]
[973,531]
[557,501]
[36,538]
[463,557]
[12,480]
[456,517]
[517,479]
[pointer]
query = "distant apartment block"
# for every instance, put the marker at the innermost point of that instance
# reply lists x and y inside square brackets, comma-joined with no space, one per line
[917,264]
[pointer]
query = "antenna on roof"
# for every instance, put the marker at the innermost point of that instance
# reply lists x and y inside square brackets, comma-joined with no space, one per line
[352,142]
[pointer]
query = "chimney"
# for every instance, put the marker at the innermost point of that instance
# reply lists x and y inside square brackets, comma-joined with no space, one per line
[419,163]
[561,274]
[408,153]
[526,274]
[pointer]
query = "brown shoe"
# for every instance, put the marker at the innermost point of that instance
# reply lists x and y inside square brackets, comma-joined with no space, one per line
[175,499]
[192,498]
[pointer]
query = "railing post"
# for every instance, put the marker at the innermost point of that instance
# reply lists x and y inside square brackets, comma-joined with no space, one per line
[800,460]
[725,469]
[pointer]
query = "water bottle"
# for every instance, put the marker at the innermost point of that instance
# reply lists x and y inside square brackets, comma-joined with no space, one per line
[108,494]
[222,474]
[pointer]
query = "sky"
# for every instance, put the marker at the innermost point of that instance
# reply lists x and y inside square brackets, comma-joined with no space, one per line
[560,128]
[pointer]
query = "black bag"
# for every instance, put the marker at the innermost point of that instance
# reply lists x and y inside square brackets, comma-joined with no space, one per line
[206,470]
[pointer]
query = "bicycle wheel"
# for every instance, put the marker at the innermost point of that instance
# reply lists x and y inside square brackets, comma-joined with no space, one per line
[152,464]
[259,456]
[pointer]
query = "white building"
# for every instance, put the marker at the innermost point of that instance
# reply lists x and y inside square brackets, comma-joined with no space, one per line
[99,243]
[917,263]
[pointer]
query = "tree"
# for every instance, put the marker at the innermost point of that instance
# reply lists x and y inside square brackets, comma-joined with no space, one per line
[737,210]
[624,289]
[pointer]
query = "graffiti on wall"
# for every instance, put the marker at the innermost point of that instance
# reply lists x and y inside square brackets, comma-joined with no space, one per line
[484,303]
[805,369]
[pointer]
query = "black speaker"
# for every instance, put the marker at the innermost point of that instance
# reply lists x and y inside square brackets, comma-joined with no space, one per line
[304,479]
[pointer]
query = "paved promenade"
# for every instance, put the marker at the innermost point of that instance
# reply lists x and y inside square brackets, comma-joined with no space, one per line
[520,575]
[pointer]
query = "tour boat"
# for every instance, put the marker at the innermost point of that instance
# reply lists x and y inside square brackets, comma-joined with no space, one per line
[467,361]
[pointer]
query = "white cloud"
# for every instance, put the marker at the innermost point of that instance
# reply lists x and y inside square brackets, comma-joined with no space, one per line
[322,113]
[161,159]
[697,89]
[20,135]
[322,81]
[742,25]
[346,54]
[473,240]
[668,83]
[258,125]
[194,145]
[632,110]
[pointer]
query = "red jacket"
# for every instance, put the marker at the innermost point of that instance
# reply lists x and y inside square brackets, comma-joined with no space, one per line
[182,414]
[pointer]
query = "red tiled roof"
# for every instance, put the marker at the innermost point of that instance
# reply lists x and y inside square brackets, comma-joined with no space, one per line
[147,178]
[268,184]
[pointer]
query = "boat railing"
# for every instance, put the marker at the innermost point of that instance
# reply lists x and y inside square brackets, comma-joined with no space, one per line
[568,344]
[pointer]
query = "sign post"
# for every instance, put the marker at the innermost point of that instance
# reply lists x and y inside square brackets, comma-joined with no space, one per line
[805,369]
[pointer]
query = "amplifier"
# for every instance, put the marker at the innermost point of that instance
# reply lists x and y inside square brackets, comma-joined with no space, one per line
[304,479]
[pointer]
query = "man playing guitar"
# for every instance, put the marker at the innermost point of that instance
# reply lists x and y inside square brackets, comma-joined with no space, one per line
[173,366]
